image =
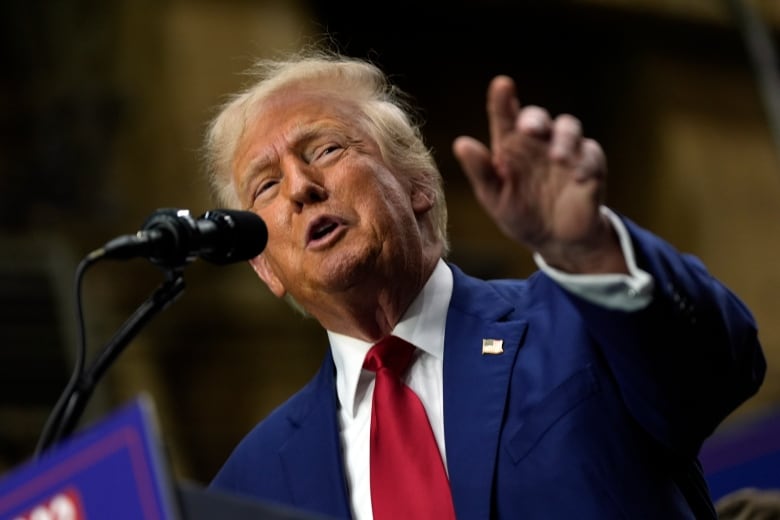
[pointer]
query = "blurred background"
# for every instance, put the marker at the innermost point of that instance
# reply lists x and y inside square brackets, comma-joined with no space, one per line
[102,110]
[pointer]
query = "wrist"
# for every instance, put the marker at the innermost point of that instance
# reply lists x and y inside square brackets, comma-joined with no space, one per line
[600,253]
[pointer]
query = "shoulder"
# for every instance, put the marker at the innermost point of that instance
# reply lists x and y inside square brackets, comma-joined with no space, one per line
[260,447]
[521,292]
[257,449]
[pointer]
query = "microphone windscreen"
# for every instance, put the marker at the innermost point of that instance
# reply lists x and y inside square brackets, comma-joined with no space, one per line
[242,235]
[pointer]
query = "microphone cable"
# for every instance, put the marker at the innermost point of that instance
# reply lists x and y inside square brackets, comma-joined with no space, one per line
[53,426]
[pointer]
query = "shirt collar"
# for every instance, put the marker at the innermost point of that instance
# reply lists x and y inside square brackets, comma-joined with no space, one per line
[422,325]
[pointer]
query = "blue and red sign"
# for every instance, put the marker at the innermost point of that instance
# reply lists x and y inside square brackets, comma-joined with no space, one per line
[113,470]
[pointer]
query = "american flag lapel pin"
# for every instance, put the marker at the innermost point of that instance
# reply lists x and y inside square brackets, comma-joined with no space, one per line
[492,346]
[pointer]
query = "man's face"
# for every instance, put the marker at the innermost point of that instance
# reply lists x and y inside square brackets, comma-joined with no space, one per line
[337,217]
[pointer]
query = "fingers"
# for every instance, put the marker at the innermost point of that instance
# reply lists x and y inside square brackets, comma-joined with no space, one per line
[593,163]
[523,139]
[502,108]
[566,139]
[534,121]
[505,115]
[568,148]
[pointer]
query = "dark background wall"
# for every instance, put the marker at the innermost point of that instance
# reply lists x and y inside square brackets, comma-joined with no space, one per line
[103,105]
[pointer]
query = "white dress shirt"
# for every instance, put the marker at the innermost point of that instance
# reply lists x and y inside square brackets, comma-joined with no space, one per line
[423,325]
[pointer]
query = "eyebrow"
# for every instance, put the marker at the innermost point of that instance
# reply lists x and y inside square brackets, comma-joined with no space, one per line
[299,137]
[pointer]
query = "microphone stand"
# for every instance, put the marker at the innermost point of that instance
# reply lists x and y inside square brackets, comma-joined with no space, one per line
[170,239]
[65,417]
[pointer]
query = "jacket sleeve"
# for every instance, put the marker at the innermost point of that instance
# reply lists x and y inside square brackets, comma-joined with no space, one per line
[689,358]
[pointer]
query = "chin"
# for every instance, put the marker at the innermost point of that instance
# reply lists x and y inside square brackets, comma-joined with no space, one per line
[347,269]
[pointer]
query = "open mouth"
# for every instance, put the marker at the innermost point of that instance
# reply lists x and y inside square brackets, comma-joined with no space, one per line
[321,230]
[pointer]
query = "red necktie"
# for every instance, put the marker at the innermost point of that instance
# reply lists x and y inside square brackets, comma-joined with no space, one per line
[408,480]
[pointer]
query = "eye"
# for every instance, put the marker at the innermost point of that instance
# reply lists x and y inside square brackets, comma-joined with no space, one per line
[327,150]
[264,186]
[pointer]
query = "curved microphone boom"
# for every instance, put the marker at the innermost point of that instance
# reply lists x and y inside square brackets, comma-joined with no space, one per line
[172,238]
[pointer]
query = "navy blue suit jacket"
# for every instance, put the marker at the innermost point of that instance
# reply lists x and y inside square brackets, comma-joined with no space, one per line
[588,413]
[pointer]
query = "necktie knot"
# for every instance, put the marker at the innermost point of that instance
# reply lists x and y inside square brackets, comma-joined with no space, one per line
[392,353]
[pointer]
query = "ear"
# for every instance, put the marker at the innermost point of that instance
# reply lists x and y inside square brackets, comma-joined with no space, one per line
[267,275]
[422,200]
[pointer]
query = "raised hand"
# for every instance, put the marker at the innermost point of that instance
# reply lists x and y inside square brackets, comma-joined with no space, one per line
[542,182]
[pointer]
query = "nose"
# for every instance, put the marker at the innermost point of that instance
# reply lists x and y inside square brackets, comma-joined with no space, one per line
[303,184]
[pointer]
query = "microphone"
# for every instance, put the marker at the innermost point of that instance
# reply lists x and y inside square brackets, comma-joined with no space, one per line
[171,238]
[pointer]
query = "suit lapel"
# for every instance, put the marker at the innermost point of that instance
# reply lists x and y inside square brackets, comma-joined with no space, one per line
[475,389]
[311,458]
[475,394]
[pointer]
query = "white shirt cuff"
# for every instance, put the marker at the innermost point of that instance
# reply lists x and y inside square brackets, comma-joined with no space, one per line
[626,292]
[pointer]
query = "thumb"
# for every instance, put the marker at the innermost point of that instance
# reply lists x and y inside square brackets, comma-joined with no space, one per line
[476,161]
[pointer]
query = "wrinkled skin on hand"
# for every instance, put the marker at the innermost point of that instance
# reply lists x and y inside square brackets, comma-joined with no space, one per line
[542,182]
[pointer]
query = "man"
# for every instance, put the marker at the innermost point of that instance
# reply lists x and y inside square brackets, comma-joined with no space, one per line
[584,391]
